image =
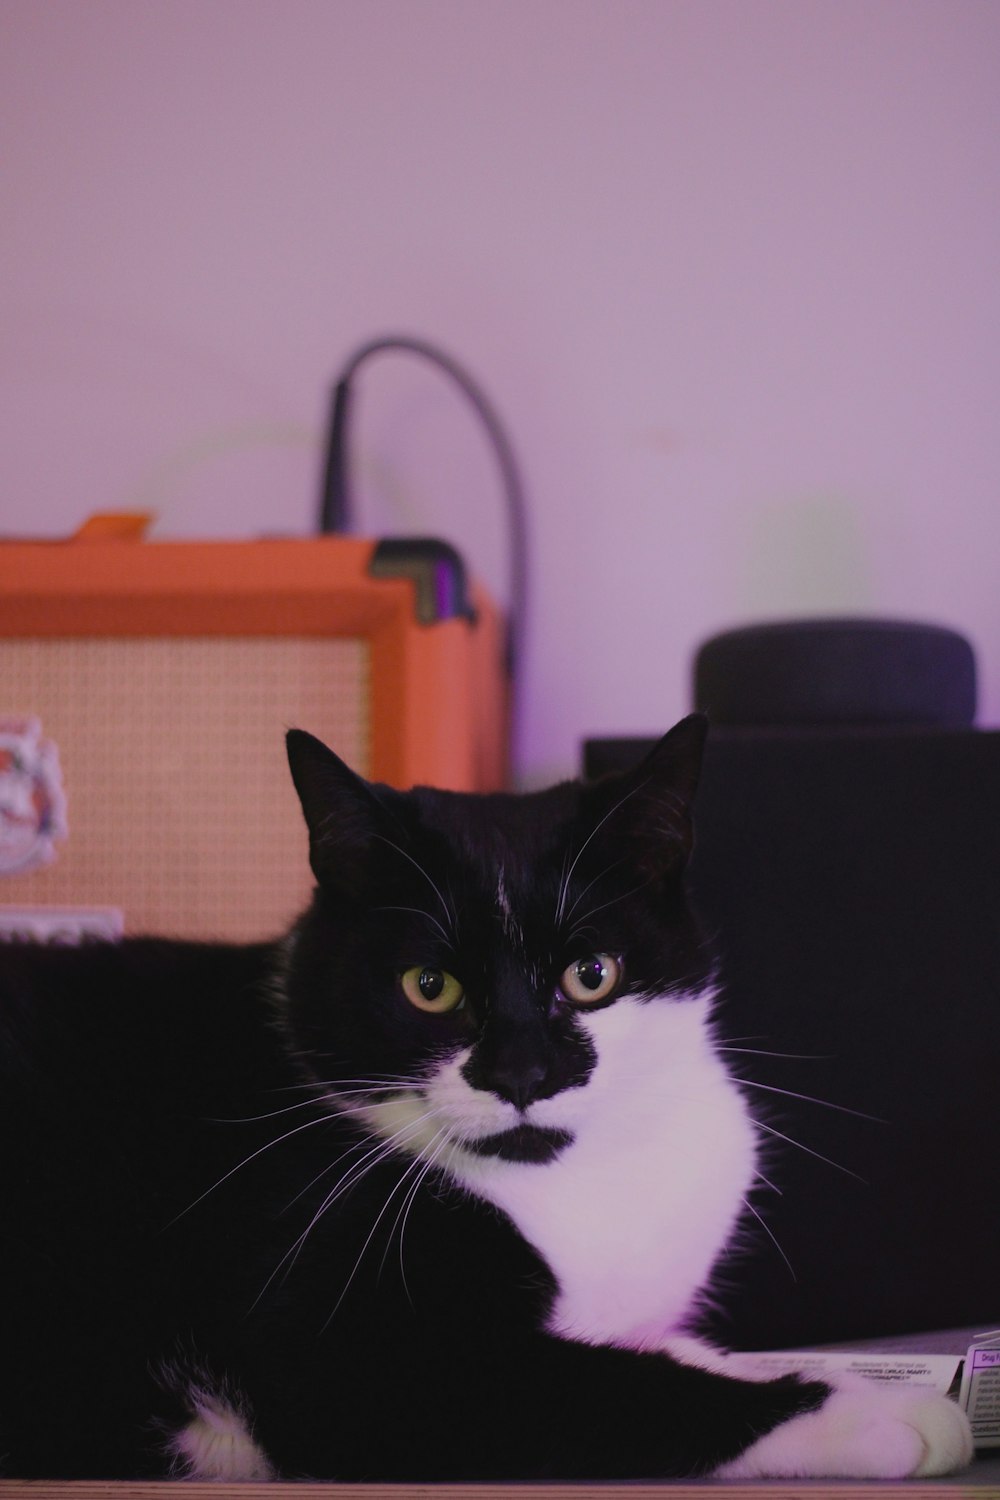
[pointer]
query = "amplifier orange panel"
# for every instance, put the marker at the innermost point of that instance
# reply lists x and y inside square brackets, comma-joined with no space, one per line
[145,688]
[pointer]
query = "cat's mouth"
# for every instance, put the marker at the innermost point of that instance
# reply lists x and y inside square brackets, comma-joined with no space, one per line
[524,1143]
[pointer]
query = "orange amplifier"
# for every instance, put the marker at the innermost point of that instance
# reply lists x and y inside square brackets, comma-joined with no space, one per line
[145,689]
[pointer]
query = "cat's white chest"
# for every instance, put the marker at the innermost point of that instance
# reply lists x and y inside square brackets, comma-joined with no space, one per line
[632,1216]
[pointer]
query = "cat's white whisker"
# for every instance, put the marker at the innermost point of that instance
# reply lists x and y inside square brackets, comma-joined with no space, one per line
[253,1119]
[447,1147]
[417,911]
[809,1151]
[454,909]
[590,885]
[378,1080]
[268,1146]
[791,1269]
[811,1099]
[352,1175]
[424,1164]
[372,1158]
[413,1166]
[593,911]
[331,1166]
[791,1056]
[449,913]
[353,1099]
[564,890]
[350,1088]
[384,1147]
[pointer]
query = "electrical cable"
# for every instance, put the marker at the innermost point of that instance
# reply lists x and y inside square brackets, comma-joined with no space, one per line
[335,508]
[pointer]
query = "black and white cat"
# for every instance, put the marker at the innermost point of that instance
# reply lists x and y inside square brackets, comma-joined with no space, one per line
[429,1190]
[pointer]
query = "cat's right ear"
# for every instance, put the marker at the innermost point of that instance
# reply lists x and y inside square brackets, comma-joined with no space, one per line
[342,812]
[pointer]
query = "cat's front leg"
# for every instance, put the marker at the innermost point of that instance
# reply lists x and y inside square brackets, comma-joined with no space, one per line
[527,1408]
[865,1433]
[862,1430]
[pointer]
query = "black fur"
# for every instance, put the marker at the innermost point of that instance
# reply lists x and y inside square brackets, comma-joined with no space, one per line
[165,1146]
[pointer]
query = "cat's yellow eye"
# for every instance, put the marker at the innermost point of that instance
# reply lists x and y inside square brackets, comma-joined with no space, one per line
[432,990]
[591,979]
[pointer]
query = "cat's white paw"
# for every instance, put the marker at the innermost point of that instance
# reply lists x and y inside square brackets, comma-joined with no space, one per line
[862,1433]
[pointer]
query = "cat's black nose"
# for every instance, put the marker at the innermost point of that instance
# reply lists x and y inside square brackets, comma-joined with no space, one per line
[514,1072]
[519,1086]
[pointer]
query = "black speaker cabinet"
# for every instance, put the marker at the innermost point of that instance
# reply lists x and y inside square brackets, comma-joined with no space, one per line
[850,881]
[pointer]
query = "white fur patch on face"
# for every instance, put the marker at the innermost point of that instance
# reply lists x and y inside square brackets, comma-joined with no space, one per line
[632,1215]
[217,1442]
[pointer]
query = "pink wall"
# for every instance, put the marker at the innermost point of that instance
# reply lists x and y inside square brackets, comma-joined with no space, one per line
[727,267]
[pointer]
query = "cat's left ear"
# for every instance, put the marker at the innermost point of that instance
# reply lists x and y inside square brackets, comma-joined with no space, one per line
[649,807]
[342,811]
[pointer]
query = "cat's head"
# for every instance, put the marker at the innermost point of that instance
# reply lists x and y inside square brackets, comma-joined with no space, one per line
[465,954]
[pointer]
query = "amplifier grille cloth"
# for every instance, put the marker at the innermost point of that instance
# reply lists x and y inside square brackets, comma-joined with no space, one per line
[180,806]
